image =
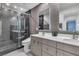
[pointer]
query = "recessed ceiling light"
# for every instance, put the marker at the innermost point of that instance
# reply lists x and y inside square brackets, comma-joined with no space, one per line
[15,6]
[7,4]
[5,9]
[3,6]
[21,8]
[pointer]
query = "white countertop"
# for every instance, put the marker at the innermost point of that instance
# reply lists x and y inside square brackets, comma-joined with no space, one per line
[61,39]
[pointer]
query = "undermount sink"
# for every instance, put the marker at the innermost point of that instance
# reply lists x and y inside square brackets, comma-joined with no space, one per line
[69,39]
[75,40]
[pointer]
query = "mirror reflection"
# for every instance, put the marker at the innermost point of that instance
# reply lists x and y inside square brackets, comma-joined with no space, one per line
[69,17]
[44,20]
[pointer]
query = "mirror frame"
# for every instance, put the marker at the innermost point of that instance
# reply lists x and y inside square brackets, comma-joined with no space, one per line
[49,30]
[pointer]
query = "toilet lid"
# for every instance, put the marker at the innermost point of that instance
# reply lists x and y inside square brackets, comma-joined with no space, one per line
[26,40]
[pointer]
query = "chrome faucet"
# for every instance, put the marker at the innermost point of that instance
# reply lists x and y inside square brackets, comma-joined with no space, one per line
[43,33]
[75,36]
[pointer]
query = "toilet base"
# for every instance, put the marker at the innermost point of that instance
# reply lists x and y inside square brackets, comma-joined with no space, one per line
[20,47]
[26,49]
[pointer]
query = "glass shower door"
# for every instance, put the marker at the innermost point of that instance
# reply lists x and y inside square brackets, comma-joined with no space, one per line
[21,29]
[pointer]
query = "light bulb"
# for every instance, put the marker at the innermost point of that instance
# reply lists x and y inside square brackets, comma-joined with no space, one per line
[7,4]
[15,6]
[21,8]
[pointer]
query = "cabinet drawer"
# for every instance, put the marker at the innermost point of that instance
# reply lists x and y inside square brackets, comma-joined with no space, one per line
[49,42]
[49,50]
[63,53]
[36,38]
[68,48]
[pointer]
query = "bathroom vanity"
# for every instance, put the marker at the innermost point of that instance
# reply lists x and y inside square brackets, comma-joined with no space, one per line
[54,46]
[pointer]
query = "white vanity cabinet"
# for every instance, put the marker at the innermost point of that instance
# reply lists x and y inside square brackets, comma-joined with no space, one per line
[42,46]
[36,46]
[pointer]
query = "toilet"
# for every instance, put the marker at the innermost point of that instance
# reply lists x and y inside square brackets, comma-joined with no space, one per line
[26,43]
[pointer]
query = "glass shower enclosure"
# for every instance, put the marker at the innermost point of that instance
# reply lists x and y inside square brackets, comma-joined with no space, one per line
[14,28]
[20,28]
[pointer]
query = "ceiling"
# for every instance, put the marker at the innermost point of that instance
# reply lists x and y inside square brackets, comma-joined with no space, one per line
[18,7]
[63,6]
[23,7]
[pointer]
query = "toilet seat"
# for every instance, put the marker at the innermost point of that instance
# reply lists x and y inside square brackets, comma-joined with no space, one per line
[26,41]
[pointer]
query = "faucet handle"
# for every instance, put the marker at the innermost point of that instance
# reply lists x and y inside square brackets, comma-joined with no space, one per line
[43,33]
[76,36]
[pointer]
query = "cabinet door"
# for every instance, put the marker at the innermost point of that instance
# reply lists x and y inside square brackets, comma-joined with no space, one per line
[68,48]
[49,50]
[49,42]
[63,53]
[33,42]
[36,46]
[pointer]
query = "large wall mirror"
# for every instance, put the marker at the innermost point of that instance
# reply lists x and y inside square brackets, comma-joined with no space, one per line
[69,17]
[44,20]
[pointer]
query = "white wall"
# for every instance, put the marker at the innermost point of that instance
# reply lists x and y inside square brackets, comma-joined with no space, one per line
[69,14]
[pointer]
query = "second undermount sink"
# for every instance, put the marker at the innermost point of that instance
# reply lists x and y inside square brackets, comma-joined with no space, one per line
[75,40]
[69,39]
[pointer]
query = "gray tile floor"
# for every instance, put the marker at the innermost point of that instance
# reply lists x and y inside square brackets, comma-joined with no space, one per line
[19,52]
